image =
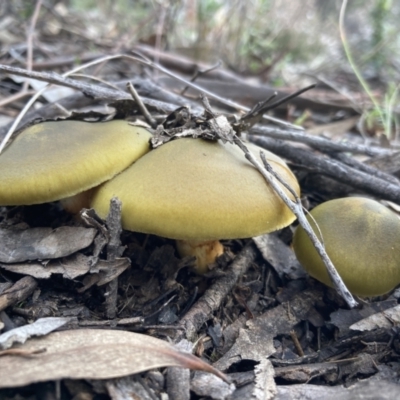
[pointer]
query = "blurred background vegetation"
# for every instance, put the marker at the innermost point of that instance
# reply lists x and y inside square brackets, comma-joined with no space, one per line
[278,42]
[256,37]
[271,39]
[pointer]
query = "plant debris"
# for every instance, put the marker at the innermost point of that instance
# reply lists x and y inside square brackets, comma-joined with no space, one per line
[40,327]
[118,300]
[43,243]
[92,354]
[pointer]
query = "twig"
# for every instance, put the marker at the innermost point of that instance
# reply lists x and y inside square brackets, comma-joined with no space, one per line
[296,207]
[114,250]
[213,95]
[51,110]
[190,302]
[18,292]
[319,143]
[162,12]
[296,343]
[332,168]
[216,293]
[17,96]
[142,107]
[87,89]
[40,92]
[256,114]
[29,57]
[291,96]
[63,80]
[153,314]
[31,30]
[354,163]
[96,79]
[199,73]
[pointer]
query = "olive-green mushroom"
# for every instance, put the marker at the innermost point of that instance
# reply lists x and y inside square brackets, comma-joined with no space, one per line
[198,192]
[56,160]
[362,238]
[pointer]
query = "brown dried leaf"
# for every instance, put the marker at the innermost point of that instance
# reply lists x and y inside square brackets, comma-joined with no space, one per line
[42,326]
[385,319]
[19,291]
[280,256]
[255,342]
[43,243]
[109,270]
[70,267]
[265,386]
[206,385]
[93,354]
[343,319]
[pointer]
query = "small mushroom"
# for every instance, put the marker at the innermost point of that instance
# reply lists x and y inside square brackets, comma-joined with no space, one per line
[56,160]
[362,238]
[198,192]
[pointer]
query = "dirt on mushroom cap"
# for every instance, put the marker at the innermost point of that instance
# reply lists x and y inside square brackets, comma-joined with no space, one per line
[192,189]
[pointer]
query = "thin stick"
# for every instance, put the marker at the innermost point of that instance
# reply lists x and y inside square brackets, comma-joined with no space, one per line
[317,142]
[139,102]
[289,97]
[96,79]
[31,30]
[212,95]
[143,60]
[29,41]
[335,169]
[199,73]
[29,45]
[297,209]
[40,92]
[17,96]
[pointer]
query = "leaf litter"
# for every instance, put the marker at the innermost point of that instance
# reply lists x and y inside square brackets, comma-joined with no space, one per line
[263,307]
[93,354]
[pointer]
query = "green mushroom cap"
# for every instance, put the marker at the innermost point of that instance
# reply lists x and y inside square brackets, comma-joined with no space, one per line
[53,160]
[362,238]
[194,189]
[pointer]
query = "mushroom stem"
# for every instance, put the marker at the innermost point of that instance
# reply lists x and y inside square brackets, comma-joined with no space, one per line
[74,204]
[205,252]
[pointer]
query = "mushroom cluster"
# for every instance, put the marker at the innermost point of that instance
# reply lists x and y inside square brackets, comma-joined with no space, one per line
[193,190]
[198,192]
[362,238]
[56,160]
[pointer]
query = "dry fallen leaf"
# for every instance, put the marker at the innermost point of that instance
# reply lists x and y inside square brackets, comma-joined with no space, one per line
[43,243]
[206,385]
[93,354]
[280,256]
[41,327]
[265,386]
[256,341]
[72,267]
[385,319]
[69,267]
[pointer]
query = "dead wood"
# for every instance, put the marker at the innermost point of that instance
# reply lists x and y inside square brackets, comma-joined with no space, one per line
[18,292]
[365,167]
[212,299]
[114,251]
[332,168]
[316,142]
[182,64]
